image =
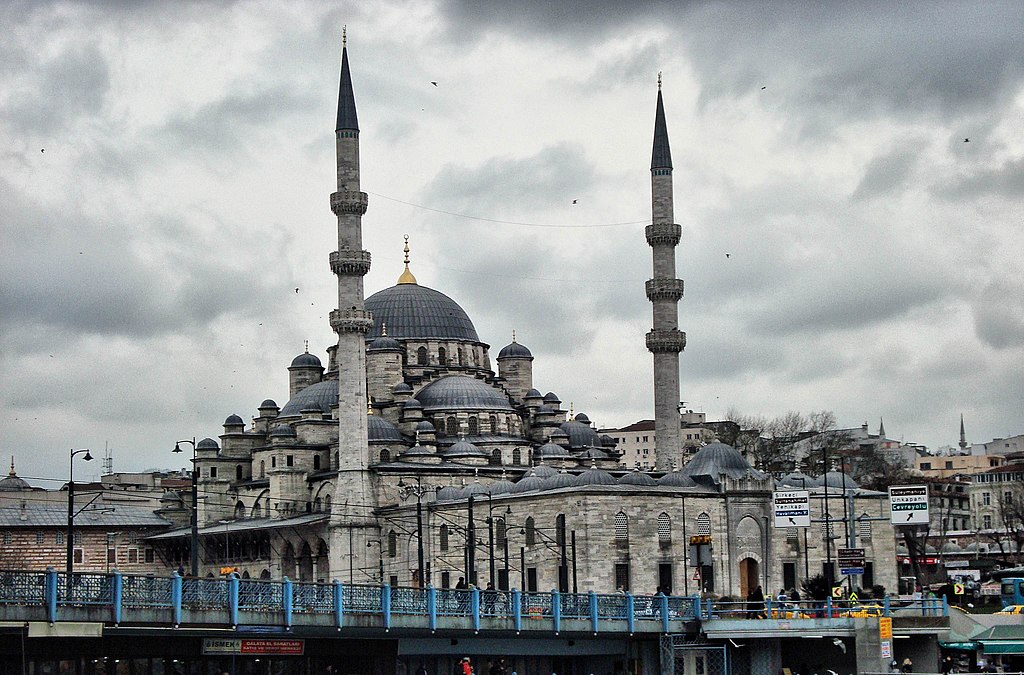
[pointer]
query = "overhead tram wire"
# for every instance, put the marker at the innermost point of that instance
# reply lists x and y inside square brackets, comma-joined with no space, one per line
[508,222]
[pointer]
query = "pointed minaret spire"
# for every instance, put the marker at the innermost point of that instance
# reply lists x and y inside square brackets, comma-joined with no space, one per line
[963,437]
[881,429]
[12,467]
[664,340]
[347,119]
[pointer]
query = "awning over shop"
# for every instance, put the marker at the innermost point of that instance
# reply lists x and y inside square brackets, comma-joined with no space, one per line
[965,646]
[1002,646]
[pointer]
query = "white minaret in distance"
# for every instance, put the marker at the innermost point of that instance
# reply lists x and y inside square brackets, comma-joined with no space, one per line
[665,340]
[351,523]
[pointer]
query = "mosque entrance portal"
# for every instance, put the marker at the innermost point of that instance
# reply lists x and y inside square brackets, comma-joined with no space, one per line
[749,576]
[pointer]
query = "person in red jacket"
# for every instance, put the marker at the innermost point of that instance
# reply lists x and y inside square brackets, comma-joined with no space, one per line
[467,668]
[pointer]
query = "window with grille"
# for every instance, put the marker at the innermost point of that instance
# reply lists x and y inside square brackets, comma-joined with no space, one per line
[385,456]
[442,356]
[443,536]
[133,555]
[621,528]
[703,524]
[499,534]
[474,426]
[531,532]
[7,538]
[111,556]
[40,537]
[560,530]
[421,356]
[494,424]
[392,544]
[451,426]
[793,535]
[864,527]
[78,538]
[622,576]
[664,529]
[828,528]
[495,457]
[60,538]
[517,457]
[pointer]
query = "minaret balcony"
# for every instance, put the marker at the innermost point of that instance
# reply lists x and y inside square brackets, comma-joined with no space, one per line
[349,263]
[351,320]
[664,289]
[349,202]
[666,341]
[660,234]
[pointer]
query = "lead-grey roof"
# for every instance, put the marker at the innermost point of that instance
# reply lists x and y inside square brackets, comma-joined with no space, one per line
[347,118]
[321,395]
[411,311]
[637,477]
[458,392]
[715,459]
[53,515]
[379,429]
[246,525]
[661,155]
[306,360]
[515,350]
[581,434]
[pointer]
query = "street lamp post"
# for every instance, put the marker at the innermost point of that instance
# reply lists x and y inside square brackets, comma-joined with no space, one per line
[406,490]
[195,505]
[71,509]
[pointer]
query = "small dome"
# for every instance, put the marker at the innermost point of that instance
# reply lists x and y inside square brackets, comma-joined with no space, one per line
[501,487]
[385,343]
[379,429]
[14,484]
[306,360]
[529,483]
[840,480]
[546,409]
[715,459]
[412,404]
[544,471]
[581,434]
[563,479]
[515,351]
[676,479]
[425,426]
[169,499]
[449,493]
[282,431]
[637,477]
[593,453]
[559,437]
[321,395]
[798,479]
[459,392]
[207,444]
[607,441]
[416,451]
[268,403]
[401,388]
[551,451]
[551,397]
[950,547]
[233,421]
[581,417]
[463,448]
[474,488]
[595,476]
[533,393]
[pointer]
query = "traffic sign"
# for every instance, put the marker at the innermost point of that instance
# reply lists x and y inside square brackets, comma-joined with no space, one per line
[908,504]
[958,589]
[885,627]
[851,571]
[851,557]
[792,508]
[696,575]
[837,592]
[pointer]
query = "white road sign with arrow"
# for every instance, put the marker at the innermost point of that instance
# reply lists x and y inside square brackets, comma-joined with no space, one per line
[908,504]
[792,508]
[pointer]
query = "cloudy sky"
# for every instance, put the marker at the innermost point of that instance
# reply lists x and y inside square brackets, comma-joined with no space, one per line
[166,169]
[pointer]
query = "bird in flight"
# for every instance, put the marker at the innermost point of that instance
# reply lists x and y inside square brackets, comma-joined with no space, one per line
[574,201]
[42,149]
[296,290]
[433,83]
[967,140]
[763,88]
[727,255]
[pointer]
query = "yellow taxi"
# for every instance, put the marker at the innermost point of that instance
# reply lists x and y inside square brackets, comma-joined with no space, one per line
[866,610]
[1012,609]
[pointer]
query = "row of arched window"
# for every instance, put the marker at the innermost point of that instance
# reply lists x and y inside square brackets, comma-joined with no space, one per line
[423,357]
[494,460]
[475,426]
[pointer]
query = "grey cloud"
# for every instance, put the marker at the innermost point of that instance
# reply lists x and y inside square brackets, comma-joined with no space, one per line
[1005,181]
[999,313]
[887,173]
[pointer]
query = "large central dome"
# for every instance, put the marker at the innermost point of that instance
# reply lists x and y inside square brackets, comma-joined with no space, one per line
[411,311]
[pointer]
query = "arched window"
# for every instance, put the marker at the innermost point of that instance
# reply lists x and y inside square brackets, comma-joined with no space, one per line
[621,528]
[517,457]
[318,505]
[474,426]
[451,426]
[494,424]
[827,528]
[257,510]
[316,462]
[263,468]
[443,535]
[327,503]
[273,461]
[508,426]
[239,511]
[864,527]
[560,529]
[385,456]
[462,357]
[531,532]
[238,472]
[421,356]
[442,356]
[495,457]
[392,544]
[703,524]
[500,534]
[60,538]
[664,529]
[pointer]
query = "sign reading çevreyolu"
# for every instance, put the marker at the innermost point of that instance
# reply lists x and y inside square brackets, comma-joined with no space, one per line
[908,504]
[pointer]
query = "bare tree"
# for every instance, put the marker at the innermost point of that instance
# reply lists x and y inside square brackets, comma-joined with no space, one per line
[1009,535]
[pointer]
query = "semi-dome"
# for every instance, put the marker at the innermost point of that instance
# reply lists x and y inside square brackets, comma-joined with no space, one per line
[321,395]
[458,392]
[581,434]
[207,444]
[306,360]
[282,431]
[515,351]
[839,480]
[715,459]
[637,477]
[595,476]
[233,421]
[411,311]
[379,429]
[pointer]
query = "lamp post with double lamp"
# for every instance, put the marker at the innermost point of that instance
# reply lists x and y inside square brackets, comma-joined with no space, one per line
[71,508]
[194,551]
[405,491]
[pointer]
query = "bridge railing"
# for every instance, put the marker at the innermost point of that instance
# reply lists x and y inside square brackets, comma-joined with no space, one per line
[178,600]
[818,609]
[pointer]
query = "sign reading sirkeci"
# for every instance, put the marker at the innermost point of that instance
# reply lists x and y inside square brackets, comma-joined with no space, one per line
[792,508]
[253,646]
[908,504]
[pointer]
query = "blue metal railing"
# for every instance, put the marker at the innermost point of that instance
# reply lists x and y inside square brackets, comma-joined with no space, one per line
[219,600]
[827,609]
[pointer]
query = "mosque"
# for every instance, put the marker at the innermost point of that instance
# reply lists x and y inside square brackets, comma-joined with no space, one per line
[407,459]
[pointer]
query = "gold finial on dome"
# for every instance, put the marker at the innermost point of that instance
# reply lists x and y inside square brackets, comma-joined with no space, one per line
[383,329]
[369,407]
[407,277]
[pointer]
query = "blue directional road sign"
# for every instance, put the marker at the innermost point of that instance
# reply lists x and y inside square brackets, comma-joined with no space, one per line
[792,508]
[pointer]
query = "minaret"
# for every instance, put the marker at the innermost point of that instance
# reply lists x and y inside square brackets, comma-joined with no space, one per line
[665,340]
[962,444]
[350,522]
